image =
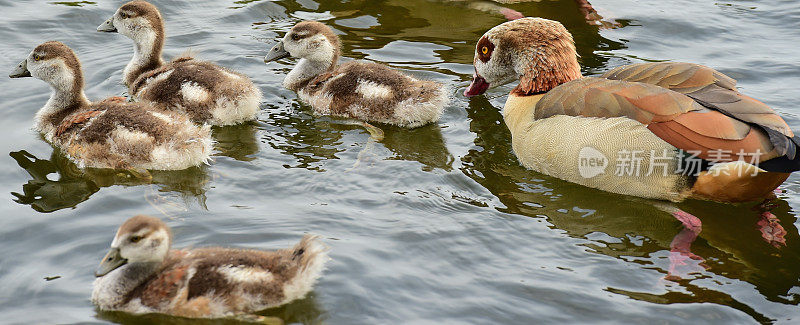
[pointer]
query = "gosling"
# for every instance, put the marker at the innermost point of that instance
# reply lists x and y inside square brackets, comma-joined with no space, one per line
[111,133]
[204,91]
[361,90]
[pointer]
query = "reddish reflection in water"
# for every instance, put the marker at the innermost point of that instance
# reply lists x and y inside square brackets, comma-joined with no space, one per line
[771,229]
[681,259]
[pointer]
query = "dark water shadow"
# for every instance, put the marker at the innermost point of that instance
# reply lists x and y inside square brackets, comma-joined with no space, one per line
[423,144]
[311,140]
[45,195]
[364,24]
[57,183]
[304,137]
[303,311]
[239,142]
[637,231]
[73,3]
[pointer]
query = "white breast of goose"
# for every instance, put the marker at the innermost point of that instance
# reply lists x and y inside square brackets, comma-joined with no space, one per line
[560,146]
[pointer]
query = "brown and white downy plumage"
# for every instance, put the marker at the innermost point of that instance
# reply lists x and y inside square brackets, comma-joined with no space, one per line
[111,133]
[140,274]
[652,108]
[361,90]
[204,91]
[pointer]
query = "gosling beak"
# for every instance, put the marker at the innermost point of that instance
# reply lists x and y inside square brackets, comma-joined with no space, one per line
[108,26]
[21,70]
[276,53]
[477,87]
[110,262]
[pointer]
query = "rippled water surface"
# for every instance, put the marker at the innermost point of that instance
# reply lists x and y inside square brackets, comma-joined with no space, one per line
[434,225]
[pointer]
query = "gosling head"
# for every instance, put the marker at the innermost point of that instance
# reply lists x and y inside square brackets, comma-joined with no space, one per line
[538,52]
[139,21]
[55,63]
[310,40]
[141,239]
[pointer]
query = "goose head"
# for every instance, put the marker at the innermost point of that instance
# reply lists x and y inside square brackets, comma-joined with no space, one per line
[141,239]
[54,63]
[538,52]
[140,21]
[310,40]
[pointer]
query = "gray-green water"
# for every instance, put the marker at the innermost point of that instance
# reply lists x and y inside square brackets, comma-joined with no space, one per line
[435,225]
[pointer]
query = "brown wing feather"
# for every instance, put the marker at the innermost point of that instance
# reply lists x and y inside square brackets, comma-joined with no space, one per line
[672,116]
[678,76]
[141,80]
[754,145]
[713,124]
[76,120]
[709,87]
[599,97]
[114,100]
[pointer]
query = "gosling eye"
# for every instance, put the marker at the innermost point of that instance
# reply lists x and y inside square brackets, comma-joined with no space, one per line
[135,239]
[37,57]
[295,37]
[123,15]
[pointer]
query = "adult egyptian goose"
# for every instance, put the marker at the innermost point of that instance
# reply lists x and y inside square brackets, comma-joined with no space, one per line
[140,274]
[111,133]
[360,90]
[669,114]
[204,91]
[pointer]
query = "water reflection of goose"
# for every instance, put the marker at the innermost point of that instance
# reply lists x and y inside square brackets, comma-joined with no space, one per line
[368,25]
[45,195]
[425,145]
[303,311]
[239,142]
[309,141]
[496,7]
[58,183]
[312,141]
